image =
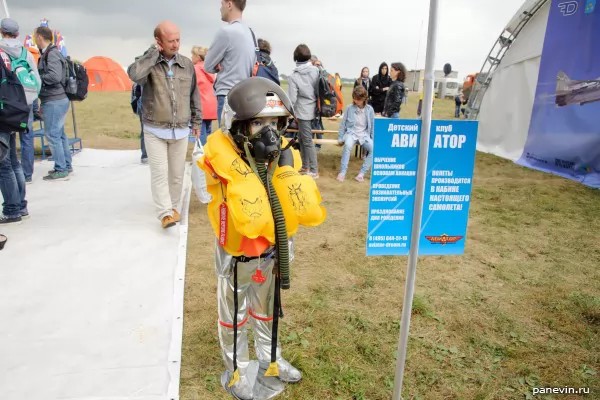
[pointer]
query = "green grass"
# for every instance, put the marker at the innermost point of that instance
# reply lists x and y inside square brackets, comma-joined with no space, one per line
[520,309]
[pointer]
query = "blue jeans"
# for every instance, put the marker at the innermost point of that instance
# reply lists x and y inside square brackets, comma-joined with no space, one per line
[457,111]
[54,113]
[206,129]
[12,181]
[220,104]
[26,140]
[142,144]
[349,143]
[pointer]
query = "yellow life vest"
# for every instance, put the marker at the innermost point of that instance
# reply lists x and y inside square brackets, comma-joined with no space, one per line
[240,213]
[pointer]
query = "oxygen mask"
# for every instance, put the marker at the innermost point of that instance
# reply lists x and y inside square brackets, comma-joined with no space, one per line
[266,144]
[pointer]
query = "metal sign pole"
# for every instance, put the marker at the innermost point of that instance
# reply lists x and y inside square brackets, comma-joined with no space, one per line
[5,4]
[419,195]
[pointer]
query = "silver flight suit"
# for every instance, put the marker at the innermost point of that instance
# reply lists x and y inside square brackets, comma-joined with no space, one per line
[255,307]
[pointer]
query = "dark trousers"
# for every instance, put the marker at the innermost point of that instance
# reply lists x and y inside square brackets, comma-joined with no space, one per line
[12,180]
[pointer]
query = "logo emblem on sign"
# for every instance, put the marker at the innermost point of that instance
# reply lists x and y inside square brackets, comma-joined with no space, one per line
[443,239]
[568,8]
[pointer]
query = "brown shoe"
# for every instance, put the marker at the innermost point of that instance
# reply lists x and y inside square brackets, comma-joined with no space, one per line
[176,216]
[168,222]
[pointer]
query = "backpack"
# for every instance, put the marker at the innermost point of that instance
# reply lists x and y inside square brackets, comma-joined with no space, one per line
[136,94]
[14,111]
[263,68]
[77,81]
[25,73]
[329,95]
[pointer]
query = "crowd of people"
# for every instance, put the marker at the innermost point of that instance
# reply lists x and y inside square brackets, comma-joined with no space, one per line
[46,99]
[213,71]
[232,57]
[173,95]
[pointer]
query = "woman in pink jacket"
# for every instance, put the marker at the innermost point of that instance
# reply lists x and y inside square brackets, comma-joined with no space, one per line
[207,93]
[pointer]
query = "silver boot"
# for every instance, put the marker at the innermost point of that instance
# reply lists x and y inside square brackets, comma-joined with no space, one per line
[267,387]
[241,390]
[287,372]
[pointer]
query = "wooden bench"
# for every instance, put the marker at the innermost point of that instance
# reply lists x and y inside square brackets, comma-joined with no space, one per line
[358,151]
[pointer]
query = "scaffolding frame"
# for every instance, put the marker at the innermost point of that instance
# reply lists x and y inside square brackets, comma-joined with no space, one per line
[495,56]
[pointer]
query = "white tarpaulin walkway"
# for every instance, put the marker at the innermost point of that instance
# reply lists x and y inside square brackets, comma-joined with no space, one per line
[91,287]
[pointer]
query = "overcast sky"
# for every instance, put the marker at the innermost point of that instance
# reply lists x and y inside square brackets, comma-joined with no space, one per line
[345,34]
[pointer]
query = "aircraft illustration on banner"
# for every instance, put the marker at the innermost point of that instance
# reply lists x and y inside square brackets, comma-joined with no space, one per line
[576,92]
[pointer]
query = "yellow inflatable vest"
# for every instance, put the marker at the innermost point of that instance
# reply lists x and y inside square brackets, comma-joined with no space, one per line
[240,213]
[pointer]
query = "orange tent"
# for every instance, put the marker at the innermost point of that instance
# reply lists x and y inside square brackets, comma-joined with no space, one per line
[106,75]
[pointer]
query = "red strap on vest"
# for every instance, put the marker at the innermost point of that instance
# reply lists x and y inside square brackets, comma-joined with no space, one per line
[215,175]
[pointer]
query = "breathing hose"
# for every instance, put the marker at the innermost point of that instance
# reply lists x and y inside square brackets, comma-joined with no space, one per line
[281,239]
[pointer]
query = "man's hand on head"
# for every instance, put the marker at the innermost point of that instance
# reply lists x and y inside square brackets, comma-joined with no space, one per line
[158,46]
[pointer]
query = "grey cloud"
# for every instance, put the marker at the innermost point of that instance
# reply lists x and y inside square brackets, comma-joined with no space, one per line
[346,35]
[149,9]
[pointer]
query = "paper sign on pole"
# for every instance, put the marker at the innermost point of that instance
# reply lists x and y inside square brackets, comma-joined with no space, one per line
[450,164]
[393,182]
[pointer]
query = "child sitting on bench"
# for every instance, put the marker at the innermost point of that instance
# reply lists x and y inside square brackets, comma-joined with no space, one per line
[357,128]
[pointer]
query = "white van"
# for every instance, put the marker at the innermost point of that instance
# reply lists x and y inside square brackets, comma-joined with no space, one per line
[447,87]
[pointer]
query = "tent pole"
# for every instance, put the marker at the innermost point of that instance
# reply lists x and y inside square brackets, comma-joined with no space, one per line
[419,195]
[5,4]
